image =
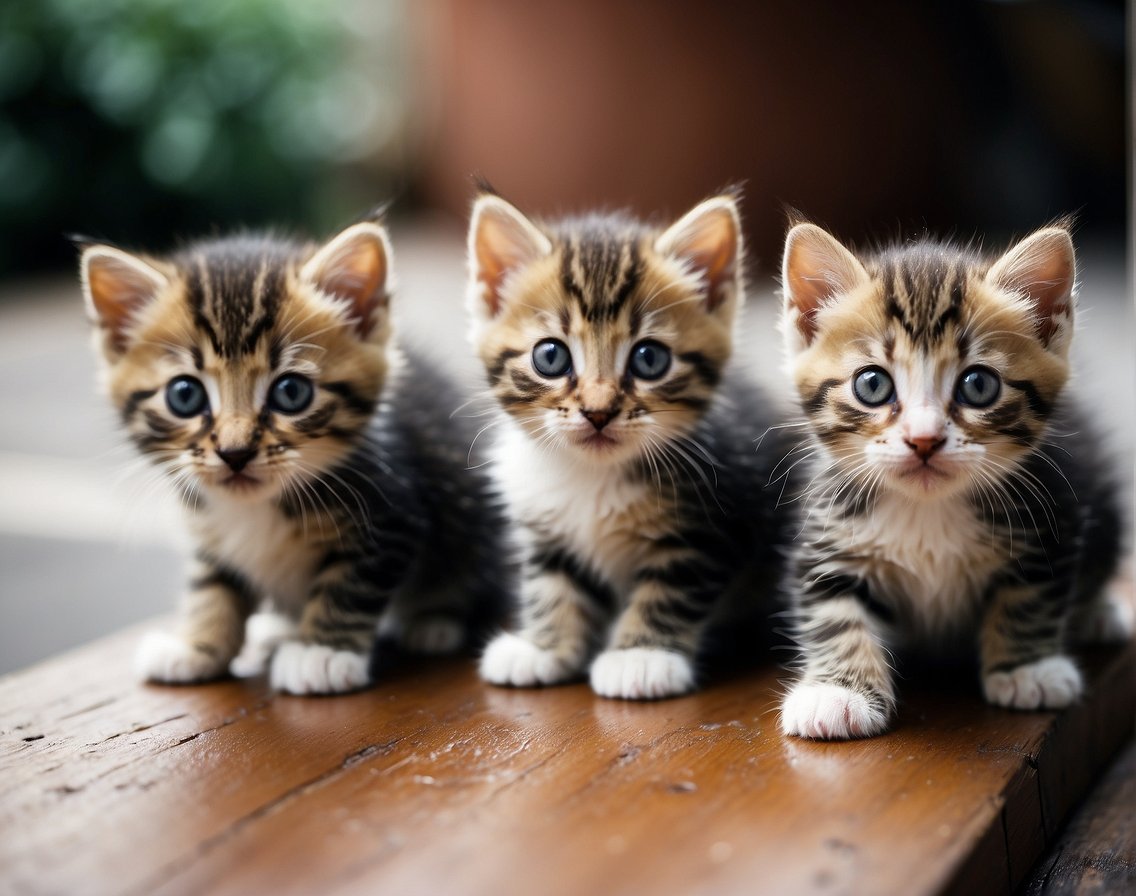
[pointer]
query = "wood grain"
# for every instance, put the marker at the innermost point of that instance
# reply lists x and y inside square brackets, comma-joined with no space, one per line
[433,782]
[1096,854]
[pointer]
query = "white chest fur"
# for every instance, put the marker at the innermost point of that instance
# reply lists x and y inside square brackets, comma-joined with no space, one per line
[932,562]
[263,545]
[590,507]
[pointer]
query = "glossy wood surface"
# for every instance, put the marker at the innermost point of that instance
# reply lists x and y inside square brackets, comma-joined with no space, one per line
[433,782]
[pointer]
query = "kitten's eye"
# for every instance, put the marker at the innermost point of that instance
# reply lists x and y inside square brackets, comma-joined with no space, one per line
[185,397]
[873,386]
[290,394]
[649,360]
[978,387]
[551,358]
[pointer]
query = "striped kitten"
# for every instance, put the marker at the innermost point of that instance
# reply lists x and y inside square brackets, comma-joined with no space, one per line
[318,463]
[636,485]
[955,494]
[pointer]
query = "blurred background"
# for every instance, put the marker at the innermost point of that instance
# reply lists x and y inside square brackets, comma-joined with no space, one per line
[146,122]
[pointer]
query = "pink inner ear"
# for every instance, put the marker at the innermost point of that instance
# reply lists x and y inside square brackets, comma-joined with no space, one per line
[356,271]
[496,256]
[707,239]
[816,268]
[808,287]
[1043,269]
[503,241]
[715,255]
[117,289]
[1052,291]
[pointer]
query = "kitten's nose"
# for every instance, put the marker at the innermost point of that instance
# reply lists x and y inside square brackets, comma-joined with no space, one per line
[236,458]
[926,446]
[598,419]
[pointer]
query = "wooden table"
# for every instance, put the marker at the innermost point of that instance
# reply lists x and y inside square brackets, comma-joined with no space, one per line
[434,783]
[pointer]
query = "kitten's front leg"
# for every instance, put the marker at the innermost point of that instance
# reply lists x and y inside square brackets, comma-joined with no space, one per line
[332,653]
[210,631]
[561,612]
[846,688]
[651,652]
[1023,666]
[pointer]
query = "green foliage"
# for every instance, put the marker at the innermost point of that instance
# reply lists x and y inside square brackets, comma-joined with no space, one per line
[138,120]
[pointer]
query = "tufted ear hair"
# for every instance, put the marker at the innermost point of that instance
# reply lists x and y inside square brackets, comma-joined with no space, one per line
[815,270]
[116,286]
[708,241]
[1042,270]
[355,267]
[501,241]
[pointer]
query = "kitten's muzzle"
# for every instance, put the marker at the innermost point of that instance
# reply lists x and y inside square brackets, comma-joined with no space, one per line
[236,459]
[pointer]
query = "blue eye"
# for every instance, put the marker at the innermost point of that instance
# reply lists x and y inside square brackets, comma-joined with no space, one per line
[185,397]
[290,394]
[978,387]
[873,386]
[551,358]
[649,360]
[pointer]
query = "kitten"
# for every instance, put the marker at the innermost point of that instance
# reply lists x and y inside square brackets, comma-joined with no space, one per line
[955,494]
[319,465]
[637,485]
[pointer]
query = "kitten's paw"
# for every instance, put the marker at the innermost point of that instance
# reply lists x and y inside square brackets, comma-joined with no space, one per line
[264,632]
[641,673]
[167,658]
[300,668]
[826,711]
[512,660]
[1109,619]
[1051,683]
[433,635]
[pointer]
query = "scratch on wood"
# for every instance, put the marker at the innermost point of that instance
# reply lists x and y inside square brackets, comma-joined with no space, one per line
[1006,850]
[367,753]
[146,727]
[99,705]
[176,867]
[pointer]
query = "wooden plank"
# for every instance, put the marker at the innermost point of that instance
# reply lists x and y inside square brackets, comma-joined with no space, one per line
[434,782]
[1096,854]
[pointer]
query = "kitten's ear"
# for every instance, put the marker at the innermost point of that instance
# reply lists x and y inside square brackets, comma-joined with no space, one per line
[1042,269]
[501,240]
[116,285]
[356,266]
[816,268]
[708,239]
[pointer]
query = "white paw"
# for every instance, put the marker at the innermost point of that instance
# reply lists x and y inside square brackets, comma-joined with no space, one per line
[512,660]
[1110,619]
[641,673]
[299,668]
[263,633]
[1051,683]
[433,635]
[830,712]
[168,658]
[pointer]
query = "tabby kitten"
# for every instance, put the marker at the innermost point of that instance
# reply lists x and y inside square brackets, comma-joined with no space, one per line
[319,466]
[637,487]
[955,493]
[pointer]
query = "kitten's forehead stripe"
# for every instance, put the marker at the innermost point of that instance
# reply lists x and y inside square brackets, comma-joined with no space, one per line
[233,297]
[924,291]
[600,266]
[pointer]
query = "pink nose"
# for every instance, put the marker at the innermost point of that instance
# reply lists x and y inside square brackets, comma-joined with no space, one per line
[598,419]
[925,446]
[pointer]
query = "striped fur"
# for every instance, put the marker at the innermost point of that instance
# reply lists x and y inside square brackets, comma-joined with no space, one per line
[336,512]
[932,518]
[640,502]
